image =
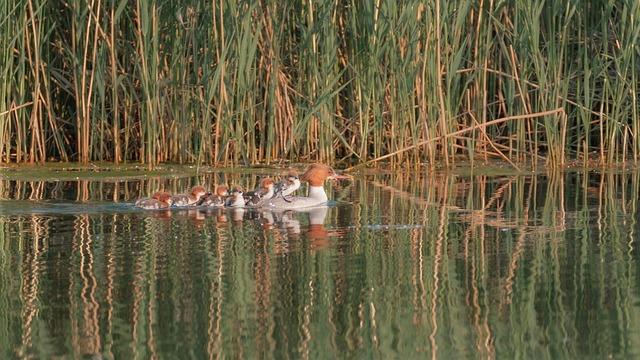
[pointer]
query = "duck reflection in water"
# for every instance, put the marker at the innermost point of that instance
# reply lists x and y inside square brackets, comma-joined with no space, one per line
[237,215]
[196,217]
[221,216]
[317,233]
[161,215]
[287,224]
[266,220]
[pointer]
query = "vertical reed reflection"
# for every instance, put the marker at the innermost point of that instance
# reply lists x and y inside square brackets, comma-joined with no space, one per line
[88,339]
[419,265]
[214,314]
[109,293]
[263,292]
[440,238]
[217,259]
[30,287]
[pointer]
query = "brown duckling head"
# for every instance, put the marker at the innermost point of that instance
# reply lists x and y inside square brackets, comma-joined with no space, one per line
[198,191]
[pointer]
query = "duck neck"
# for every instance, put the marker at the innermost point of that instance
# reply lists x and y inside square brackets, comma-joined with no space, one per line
[317,193]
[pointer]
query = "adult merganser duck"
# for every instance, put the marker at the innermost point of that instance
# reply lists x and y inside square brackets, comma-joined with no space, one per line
[216,199]
[287,186]
[236,199]
[159,200]
[315,175]
[191,199]
[263,194]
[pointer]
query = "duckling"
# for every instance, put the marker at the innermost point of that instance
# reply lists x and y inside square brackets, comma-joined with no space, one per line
[262,194]
[191,199]
[236,199]
[287,186]
[217,199]
[159,200]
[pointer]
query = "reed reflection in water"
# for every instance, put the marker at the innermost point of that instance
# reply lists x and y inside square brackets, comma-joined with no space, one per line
[428,266]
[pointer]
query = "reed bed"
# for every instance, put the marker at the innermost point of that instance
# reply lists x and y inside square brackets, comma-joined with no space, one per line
[344,82]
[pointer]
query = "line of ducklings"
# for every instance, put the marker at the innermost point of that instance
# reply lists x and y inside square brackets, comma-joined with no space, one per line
[223,196]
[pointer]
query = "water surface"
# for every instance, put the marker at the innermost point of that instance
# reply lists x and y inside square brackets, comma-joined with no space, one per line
[400,265]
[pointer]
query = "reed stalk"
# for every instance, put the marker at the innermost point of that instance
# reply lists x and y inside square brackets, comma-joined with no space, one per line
[244,82]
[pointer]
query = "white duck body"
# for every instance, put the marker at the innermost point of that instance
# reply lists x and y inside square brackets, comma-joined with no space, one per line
[316,174]
[317,197]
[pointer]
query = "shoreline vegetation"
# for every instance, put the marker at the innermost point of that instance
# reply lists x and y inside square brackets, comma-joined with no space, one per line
[245,82]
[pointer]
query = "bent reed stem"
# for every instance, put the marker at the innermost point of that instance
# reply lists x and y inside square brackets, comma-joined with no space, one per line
[460,132]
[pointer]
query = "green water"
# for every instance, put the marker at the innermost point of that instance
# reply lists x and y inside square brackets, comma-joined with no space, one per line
[400,266]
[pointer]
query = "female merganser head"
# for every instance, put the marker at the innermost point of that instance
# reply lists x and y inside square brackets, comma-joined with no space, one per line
[315,175]
[236,199]
[159,200]
[263,193]
[191,199]
[216,199]
[288,186]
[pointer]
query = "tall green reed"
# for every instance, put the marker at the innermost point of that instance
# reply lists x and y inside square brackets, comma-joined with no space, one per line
[238,82]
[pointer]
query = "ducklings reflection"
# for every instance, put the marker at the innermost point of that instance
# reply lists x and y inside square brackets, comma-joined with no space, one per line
[237,214]
[218,213]
[163,214]
[196,217]
[290,225]
[267,220]
[287,224]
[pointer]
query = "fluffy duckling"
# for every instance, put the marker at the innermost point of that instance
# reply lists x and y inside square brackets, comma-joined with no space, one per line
[263,193]
[236,199]
[159,200]
[288,185]
[191,199]
[216,199]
